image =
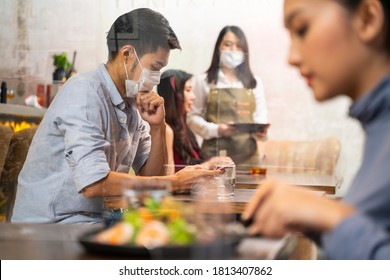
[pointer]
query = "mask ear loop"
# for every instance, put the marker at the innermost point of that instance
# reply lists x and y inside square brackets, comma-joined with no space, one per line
[124,64]
[127,75]
[139,62]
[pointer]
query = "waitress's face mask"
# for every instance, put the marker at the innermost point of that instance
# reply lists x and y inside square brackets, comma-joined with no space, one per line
[147,80]
[231,59]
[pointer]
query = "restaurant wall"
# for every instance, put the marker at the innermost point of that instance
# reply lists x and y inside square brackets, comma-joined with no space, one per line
[33,30]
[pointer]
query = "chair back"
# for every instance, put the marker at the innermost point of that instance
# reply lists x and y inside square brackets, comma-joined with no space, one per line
[17,153]
[316,156]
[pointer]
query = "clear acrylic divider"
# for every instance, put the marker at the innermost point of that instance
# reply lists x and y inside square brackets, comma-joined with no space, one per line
[213,217]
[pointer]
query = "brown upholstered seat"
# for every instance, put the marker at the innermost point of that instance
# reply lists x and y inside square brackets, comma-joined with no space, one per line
[17,153]
[5,138]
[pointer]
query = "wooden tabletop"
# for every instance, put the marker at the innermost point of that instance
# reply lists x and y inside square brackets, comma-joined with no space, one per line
[246,185]
[316,182]
[61,242]
[235,204]
[209,202]
[43,241]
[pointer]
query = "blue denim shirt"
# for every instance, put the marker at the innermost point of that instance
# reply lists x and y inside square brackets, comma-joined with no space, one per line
[366,235]
[88,130]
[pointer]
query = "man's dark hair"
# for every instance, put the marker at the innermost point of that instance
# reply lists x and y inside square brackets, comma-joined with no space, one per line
[144,29]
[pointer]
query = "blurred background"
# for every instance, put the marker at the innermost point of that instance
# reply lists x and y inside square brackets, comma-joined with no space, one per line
[34,30]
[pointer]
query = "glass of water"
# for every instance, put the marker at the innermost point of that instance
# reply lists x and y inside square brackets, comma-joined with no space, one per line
[226,181]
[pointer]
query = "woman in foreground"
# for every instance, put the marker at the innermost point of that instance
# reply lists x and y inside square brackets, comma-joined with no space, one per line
[341,47]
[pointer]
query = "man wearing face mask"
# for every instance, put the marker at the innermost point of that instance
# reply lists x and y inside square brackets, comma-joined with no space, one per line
[229,93]
[94,131]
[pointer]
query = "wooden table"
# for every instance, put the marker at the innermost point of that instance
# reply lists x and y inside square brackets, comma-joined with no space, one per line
[209,202]
[61,242]
[316,182]
[233,205]
[43,241]
[246,186]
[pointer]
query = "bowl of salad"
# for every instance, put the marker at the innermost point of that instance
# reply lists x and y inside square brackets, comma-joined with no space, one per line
[158,226]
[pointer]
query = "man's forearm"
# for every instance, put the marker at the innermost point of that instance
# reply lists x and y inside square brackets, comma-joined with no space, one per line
[115,182]
[111,185]
[158,156]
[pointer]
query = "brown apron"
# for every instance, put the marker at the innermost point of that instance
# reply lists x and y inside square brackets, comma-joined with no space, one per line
[232,105]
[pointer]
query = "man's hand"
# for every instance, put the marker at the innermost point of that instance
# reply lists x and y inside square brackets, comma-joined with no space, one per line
[190,175]
[277,209]
[214,160]
[151,107]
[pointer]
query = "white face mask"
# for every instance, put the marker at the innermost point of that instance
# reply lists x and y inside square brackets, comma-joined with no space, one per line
[147,80]
[231,59]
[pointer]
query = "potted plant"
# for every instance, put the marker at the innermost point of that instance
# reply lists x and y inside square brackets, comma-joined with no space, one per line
[60,61]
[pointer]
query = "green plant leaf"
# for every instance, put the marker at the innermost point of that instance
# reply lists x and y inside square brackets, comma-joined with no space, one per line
[60,61]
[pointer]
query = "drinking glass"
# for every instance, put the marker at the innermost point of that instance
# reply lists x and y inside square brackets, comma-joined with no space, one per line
[226,181]
[261,168]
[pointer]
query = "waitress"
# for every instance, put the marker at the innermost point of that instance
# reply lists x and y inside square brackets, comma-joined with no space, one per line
[226,94]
